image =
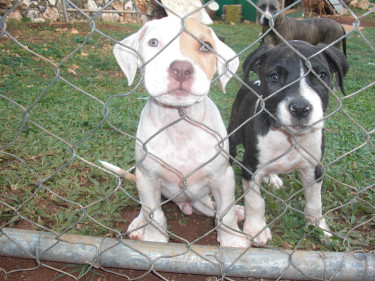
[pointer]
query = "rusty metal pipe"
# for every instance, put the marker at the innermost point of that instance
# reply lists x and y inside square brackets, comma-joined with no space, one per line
[182,258]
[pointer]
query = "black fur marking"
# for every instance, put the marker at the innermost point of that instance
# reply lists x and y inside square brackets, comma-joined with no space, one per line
[319,171]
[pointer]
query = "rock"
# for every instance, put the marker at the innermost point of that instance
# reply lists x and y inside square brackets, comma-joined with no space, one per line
[110,17]
[25,4]
[91,5]
[364,4]
[52,14]
[128,5]
[117,6]
[6,4]
[15,15]
[34,16]
[41,5]
[142,6]
[353,4]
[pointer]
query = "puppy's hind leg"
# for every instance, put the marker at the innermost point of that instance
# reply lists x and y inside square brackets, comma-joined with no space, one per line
[207,207]
[228,232]
[273,180]
[151,224]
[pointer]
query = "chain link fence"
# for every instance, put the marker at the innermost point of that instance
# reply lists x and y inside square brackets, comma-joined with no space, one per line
[58,204]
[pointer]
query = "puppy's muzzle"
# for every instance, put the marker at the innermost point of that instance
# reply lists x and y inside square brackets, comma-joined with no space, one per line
[181,71]
[264,21]
[299,109]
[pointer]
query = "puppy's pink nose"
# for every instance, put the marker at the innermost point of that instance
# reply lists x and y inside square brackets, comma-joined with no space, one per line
[181,70]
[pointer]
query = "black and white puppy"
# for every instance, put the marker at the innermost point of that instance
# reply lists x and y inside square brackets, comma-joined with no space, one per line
[282,130]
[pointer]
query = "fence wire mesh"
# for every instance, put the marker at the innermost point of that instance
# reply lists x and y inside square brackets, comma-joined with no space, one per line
[65,106]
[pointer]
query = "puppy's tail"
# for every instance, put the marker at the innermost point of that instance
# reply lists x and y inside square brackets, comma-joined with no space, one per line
[344,46]
[118,171]
[344,42]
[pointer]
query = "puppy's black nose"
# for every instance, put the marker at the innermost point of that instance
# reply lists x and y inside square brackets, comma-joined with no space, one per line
[300,109]
[181,70]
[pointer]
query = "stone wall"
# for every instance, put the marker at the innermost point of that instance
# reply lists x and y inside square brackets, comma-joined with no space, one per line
[43,10]
[35,10]
[51,10]
[119,5]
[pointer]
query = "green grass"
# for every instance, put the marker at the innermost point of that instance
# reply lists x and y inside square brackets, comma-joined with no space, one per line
[74,198]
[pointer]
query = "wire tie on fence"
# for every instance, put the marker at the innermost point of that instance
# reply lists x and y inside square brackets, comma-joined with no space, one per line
[94,265]
[37,249]
[219,260]
[324,258]
[366,267]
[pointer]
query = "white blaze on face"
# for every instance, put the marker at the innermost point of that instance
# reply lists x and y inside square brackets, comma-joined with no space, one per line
[309,94]
[306,92]
[265,15]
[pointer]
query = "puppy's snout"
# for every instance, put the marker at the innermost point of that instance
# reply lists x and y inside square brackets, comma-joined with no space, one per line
[264,21]
[181,70]
[300,109]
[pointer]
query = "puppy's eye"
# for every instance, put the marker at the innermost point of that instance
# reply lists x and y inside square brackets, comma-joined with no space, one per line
[274,78]
[322,75]
[204,47]
[153,42]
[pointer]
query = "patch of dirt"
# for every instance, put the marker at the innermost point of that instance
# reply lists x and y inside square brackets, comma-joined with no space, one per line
[184,227]
[348,20]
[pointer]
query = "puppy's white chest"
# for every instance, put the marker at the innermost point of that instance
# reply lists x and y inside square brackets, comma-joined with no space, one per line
[177,147]
[183,148]
[187,146]
[286,154]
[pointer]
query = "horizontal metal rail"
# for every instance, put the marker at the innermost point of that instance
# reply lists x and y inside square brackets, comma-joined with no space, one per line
[182,258]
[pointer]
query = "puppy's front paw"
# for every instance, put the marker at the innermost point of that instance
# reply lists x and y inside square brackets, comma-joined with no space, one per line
[240,212]
[134,232]
[145,233]
[323,225]
[234,240]
[274,181]
[258,234]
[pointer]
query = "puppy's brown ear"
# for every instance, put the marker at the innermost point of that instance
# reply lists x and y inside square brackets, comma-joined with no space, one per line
[337,63]
[252,61]
[127,56]
[227,61]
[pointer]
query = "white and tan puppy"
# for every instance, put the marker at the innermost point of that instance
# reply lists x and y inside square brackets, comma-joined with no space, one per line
[179,152]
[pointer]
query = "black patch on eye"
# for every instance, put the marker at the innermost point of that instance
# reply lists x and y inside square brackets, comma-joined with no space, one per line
[274,78]
[322,75]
